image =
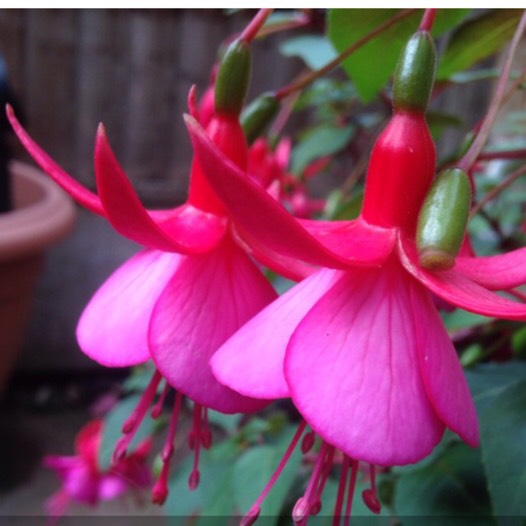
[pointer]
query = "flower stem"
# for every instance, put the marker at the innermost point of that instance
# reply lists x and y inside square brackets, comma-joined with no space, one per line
[467,161]
[311,77]
[497,190]
[250,32]
[427,20]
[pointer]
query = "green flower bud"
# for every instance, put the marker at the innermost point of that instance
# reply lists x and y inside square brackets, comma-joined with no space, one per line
[443,219]
[258,115]
[415,73]
[233,78]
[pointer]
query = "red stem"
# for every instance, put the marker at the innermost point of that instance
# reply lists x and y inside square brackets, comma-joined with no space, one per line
[467,161]
[427,20]
[255,25]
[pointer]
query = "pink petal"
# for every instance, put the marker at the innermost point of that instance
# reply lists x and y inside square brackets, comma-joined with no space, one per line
[81,194]
[352,368]
[128,216]
[443,377]
[112,486]
[113,328]
[357,241]
[251,361]
[209,298]
[455,288]
[505,271]
[253,209]
[194,229]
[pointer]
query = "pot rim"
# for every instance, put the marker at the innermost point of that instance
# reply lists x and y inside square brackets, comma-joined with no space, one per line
[29,229]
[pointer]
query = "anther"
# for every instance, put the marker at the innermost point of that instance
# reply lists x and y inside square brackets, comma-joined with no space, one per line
[193,479]
[308,442]
[251,517]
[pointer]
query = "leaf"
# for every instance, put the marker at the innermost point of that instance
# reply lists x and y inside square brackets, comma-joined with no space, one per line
[314,50]
[487,381]
[452,486]
[503,439]
[319,142]
[371,66]
[462,319]
[113,425]
[477,39]
[253,470]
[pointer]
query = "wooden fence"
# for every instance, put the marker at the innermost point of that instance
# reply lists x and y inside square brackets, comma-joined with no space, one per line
[132,70]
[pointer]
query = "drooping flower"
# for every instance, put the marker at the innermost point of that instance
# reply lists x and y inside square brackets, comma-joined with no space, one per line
[177,300]
[359,346]
[85,482]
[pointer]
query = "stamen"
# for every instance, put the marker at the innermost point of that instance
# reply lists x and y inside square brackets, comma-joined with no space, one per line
[194,441]
[206,438]
[255,509]
[160,489]
[370,496]
[131,425]
[316,506]
[158,407]
[302,509]
[308,442]
[338,506]
[352,486]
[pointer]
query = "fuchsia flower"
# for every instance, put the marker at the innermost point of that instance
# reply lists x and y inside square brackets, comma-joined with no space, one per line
[176,301]
[270,167]
[359,345]
[83,480]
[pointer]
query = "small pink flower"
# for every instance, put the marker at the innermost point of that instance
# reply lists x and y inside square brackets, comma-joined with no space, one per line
[85,482]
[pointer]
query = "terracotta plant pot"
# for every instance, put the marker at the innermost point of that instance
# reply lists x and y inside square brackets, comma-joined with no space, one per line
[43,214]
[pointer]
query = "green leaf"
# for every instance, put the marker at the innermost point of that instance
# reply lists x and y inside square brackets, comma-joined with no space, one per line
[314,50]
[113,425]
[452,486]
[477,39]
[487,381]
[371,66]
[254,469]
[503,439]
[319,142]
[462,319]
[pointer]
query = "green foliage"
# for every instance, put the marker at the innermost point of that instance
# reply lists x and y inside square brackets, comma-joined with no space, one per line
[319,142]
[314,50]
[368,73]
[503,437]
[477,39]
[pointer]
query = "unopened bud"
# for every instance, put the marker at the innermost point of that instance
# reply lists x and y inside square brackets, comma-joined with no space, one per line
[443,219]
[258,115]
[233,78]
[415,73]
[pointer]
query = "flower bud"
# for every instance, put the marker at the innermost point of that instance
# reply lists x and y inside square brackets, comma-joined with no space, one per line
[233,78]
[443,219]
[258,115]
[415,73]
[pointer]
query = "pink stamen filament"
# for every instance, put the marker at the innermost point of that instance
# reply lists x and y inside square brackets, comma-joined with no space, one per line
[255,509]
[340,497]
[160,490]
[158,407]
[206,439]
[131,425]
[352,486]
[316,507]
[194,441]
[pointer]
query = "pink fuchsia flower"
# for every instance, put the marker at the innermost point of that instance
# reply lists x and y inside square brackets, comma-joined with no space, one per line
[177,300]
[359,345]
[270,168]
[85,482]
